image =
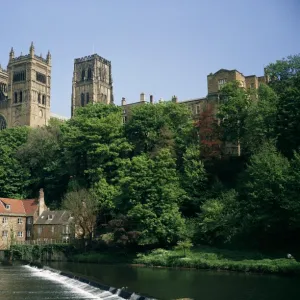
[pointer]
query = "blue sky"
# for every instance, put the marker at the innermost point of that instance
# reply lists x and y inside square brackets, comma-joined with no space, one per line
[159,47]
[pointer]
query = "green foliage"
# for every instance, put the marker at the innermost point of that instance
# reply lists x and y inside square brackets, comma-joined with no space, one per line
[218,220]
[216,259]
[184,246]
[14,175]
[233,111]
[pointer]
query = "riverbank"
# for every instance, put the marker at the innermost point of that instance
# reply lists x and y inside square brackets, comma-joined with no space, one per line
[199,258]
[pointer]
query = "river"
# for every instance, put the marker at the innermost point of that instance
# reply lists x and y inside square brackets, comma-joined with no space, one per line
[24,282]
[166,284]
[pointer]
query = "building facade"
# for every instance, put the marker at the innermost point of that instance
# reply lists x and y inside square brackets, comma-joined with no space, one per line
[25,90]
[53,226]
[17,218]
[92,81]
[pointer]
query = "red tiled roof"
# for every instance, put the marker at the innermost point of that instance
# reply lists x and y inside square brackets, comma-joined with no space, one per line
[18,207]
[30,206]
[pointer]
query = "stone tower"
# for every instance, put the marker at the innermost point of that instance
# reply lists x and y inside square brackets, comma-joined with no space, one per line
[28,90]
[92,81]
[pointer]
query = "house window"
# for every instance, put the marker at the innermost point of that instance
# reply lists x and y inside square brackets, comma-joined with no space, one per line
[87,98]
[41,77]
[52,229]
[82,75]
[221,82]
[29,220]
[20,233]
[89,74]
[20,221]
[4,220]
[43,99]
[21,97]
[16,97]
[7,206]
[4,233]
[82,99]
[50,217]
[252,85]
[28,233]
[39,98]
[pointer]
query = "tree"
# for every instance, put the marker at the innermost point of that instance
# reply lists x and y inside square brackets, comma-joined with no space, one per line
[152,127]
[288,125]
[260,121]
[209,133]
[83,207]
[219,218]
[151,197]
[43,155]
[14,176]
[194,181]
[233,112]
[262,194]
[94,143]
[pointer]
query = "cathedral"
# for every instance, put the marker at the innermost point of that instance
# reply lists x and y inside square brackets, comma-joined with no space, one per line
[25,90]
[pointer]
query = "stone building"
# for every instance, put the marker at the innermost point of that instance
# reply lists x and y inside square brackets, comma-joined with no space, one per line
[92,81]
[17,218]
[25,90]
[53,226]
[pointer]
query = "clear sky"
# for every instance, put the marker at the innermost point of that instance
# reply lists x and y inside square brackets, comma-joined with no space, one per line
[159,47]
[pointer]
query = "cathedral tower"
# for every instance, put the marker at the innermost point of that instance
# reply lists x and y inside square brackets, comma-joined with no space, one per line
[92,81]
[28,90]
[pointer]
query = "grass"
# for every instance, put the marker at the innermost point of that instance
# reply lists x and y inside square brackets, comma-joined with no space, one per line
[218,259]
[198,258]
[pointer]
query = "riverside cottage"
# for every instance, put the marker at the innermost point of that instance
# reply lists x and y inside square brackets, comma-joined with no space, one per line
[29,221]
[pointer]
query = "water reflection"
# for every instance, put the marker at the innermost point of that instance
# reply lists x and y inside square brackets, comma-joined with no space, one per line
[168,284]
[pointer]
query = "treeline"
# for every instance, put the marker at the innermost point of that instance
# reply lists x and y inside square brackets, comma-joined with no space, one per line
[149,182]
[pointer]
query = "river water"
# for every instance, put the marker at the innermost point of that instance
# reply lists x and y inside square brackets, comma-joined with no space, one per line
[169,284]
[24,282]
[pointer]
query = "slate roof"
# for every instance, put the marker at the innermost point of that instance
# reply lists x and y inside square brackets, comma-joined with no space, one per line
[56,217]
[18,207]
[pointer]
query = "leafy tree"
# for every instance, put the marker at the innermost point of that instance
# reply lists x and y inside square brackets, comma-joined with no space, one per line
[260,121]
[14,176]
[83,207]
[233,112]
[152,194]
[194,181]
[95,143]
[152,127]
[263,190]
[288,125]
[43,155]
[219,217]
[184,245]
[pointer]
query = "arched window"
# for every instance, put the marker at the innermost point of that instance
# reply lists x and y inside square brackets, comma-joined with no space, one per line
[89,74]
[39,98]
[43,99]
[16,97]
[82,75]
[2,123]
[82,99]
[21,97]
[87,98]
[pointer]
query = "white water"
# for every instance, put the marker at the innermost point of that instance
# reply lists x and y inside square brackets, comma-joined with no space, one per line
[82,289]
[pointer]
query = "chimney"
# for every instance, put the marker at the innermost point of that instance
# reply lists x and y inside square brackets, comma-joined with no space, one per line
[151,99]
[142,97]
[41,201]
[123,101]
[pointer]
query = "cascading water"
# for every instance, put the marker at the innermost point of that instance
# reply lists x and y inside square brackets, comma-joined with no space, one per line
[82,287]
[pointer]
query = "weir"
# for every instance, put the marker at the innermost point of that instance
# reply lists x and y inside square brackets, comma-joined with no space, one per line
[84,286]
